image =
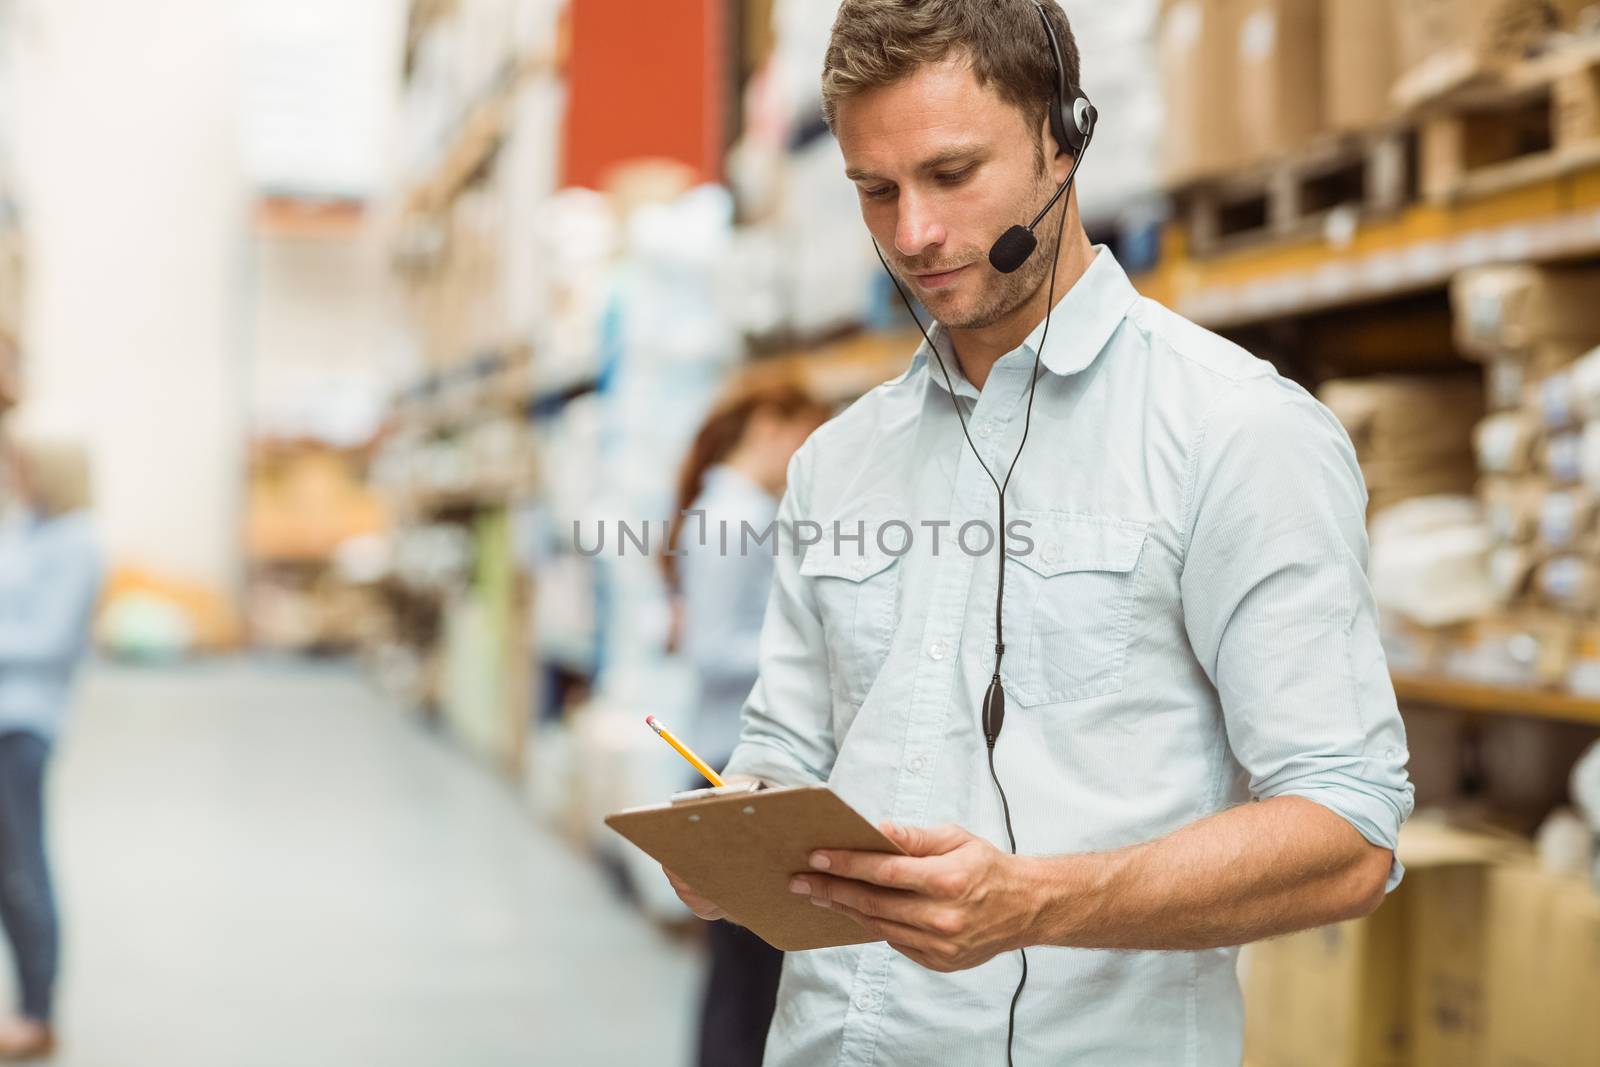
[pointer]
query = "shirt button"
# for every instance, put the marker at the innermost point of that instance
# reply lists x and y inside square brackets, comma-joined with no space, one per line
[863,1002]
[936,650]
[986,430]
[1049,553]
[917,763]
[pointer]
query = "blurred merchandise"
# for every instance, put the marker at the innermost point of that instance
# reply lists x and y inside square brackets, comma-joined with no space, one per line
[1277,67]
[1198,72]
[1399,987]
[1445,44]
[1542,968]
[1412,435]
[305,500]
[1565,845]
[1430,560]
[1521,312]
[1359,62]
[146,616]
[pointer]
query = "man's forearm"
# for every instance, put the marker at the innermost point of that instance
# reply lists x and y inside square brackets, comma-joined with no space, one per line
[1250,872]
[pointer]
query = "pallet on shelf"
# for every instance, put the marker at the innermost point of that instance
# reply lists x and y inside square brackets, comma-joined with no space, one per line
[1416,251]
[1370,173]
[1539,120]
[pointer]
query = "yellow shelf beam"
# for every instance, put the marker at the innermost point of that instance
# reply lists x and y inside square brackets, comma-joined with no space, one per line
[1421,248]
[1440,692]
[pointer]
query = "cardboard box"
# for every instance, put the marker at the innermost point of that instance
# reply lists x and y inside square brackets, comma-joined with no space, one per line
[1445,909]
[1197,45]
[1445,44]
[1358,63]
[1330,997]
[1511,311]
[1542,975]
[1279,88]
[1412,435]
[1403,984]
[1446,891]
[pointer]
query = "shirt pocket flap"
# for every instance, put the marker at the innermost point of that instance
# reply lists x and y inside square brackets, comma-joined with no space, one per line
[1066,543]
[822,561]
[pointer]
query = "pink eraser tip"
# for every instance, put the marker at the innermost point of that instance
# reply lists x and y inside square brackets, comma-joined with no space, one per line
[649,720]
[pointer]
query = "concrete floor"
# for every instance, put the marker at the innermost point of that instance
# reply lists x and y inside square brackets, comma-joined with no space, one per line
[262,864]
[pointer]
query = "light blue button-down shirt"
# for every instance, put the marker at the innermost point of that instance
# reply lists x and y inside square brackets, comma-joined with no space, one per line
[50,578]
[1192,628]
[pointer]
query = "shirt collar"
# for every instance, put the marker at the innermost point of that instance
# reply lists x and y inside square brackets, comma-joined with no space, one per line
[1080,325]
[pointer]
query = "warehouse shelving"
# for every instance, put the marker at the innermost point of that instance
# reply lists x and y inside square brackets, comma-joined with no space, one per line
[1522,701]
[1466,207]
[1419,249]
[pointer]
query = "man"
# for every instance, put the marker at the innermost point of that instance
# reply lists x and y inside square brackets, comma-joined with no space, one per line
[1201,748]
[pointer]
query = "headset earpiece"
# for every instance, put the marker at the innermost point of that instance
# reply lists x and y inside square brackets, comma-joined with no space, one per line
[1084,117]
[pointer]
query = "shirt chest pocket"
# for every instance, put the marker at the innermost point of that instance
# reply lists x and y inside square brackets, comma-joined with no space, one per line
[1068,606]
[856,598]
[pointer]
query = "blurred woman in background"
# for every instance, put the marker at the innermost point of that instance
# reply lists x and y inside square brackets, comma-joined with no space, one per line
[734,474]
[50,576]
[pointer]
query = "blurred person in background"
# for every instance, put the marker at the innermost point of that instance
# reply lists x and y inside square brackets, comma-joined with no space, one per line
[735,474]
[50,576]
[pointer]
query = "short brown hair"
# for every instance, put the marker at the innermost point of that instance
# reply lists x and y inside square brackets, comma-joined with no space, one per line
[878,42]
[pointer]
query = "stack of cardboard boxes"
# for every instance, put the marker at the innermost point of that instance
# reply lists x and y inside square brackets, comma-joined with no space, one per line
[1412,434]
[1252,80]
[1242,82]
[1535,329]
[1445,44]
[1478,959]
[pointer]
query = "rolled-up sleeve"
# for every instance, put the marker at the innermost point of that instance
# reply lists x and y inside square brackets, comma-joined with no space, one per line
[1280,613]
[786,735]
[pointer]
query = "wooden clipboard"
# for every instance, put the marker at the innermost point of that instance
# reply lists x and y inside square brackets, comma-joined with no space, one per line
[739,848]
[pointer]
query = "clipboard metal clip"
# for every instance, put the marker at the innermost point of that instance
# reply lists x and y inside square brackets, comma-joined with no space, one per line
[692,795]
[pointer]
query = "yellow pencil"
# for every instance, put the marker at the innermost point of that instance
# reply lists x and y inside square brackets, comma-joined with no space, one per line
[683,750]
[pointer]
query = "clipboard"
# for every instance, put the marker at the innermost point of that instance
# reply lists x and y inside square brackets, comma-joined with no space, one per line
[740,847]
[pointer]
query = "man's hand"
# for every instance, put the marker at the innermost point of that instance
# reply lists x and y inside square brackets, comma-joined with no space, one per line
[953,903]
[692,900]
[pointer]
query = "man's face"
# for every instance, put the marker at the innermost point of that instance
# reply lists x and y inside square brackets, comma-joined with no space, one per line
[943,166]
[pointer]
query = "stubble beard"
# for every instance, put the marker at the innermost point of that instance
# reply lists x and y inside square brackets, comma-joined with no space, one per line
[1008,292]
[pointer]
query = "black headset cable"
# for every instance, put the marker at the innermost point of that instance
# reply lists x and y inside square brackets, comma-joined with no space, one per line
[994,699]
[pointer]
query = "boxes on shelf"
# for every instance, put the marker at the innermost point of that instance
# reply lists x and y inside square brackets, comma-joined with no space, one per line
[303,501]
[1412,435]
[1278,86]
[10,373]
[293,610]
[1542,973]
[1445,44]
[1358,63]
[1583,674]
[1198,42]
[1546,316]
[1524,645]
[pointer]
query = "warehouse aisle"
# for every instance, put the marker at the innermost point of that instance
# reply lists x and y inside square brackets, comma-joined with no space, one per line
[263,864]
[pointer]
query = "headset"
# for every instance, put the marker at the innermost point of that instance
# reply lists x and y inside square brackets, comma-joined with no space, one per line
[1073,127]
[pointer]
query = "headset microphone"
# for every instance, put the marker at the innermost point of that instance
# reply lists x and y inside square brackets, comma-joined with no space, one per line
[1014,247]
